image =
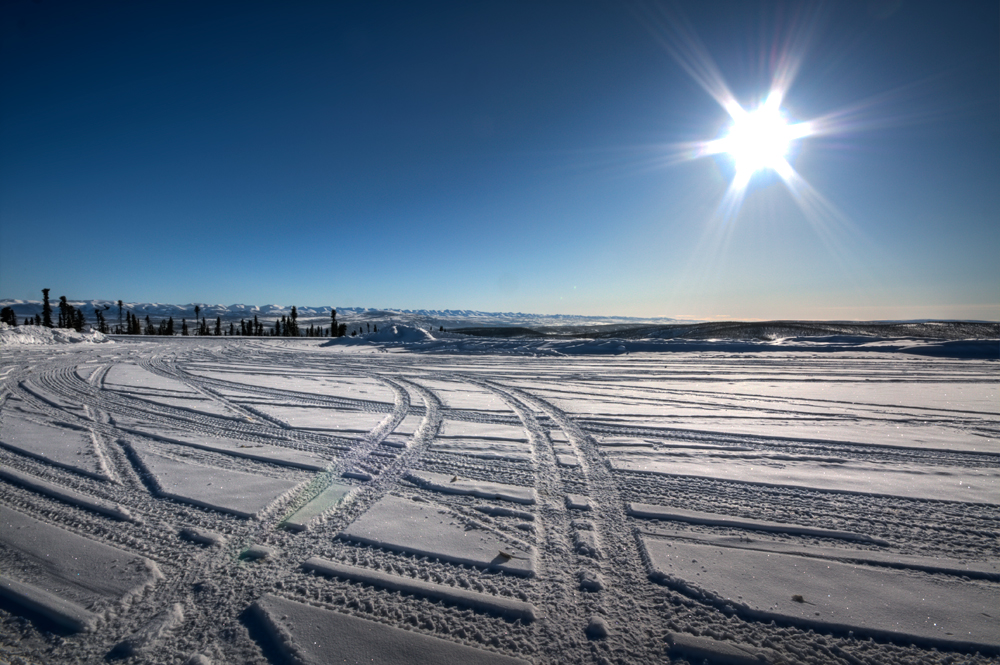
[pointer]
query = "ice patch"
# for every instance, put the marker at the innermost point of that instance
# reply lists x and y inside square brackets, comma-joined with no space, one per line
[322,502]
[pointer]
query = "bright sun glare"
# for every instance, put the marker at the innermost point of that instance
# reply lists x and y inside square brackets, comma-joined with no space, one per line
[759,139]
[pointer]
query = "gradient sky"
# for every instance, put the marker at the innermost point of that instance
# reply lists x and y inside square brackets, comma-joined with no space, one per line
[504,156]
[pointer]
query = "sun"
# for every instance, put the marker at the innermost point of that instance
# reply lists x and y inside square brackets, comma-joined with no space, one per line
[760,139]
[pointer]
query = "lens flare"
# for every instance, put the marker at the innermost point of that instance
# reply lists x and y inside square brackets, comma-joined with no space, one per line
[759,139]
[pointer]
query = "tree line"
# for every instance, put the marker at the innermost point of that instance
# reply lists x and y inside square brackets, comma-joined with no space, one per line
[130,324]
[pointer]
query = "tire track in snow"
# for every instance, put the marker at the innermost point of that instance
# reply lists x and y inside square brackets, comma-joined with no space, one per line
[622,569]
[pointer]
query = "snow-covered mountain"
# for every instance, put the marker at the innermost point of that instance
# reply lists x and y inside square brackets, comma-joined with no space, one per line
[423,318]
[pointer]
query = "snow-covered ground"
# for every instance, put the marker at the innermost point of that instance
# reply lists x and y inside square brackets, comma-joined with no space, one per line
[33,335]
[417,497]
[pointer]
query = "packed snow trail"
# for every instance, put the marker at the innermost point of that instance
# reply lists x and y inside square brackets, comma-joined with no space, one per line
[234,497]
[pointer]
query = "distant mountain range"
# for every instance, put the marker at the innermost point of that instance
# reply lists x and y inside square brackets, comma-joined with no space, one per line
[424,318]
[519,324]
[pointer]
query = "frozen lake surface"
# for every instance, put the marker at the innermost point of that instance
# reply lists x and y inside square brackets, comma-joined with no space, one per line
[204,500]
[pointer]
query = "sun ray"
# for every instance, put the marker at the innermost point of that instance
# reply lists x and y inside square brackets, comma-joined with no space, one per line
[678,36]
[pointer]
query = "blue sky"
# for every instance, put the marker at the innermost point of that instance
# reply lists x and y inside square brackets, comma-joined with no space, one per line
[499,156]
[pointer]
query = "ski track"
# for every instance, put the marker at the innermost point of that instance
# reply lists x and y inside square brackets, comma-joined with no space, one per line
[591,572]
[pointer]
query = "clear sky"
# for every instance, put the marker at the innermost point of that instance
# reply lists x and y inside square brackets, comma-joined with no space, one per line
[502,156]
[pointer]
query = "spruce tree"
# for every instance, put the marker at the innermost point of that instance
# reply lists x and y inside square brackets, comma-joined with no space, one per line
[170,326]
[7,316]
[184,327]
[65,313]
[46,309]
[218,326]
[333,322]
[79,321]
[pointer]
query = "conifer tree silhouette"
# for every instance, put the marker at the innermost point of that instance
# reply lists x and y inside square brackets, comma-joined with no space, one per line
[46,309]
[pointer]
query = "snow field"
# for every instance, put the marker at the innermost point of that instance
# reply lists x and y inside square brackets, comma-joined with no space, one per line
[280,501]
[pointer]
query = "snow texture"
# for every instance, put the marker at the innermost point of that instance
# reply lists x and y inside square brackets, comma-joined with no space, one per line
[148,637]
[70,579]
[234,492]
[310,635]
[506,607]
[58,610]
[711,519]
[636,496]
[716,651]
[69,447]
[423,529]
[202,536]
[482,489]
[65,494]
[831,595]
[943,484]
[39,335]
[235,447]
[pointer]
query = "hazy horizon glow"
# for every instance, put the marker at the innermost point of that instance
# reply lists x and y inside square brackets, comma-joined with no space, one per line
[755,160]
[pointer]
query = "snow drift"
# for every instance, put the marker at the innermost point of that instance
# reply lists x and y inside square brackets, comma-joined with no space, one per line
[395,334]
[33,335]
